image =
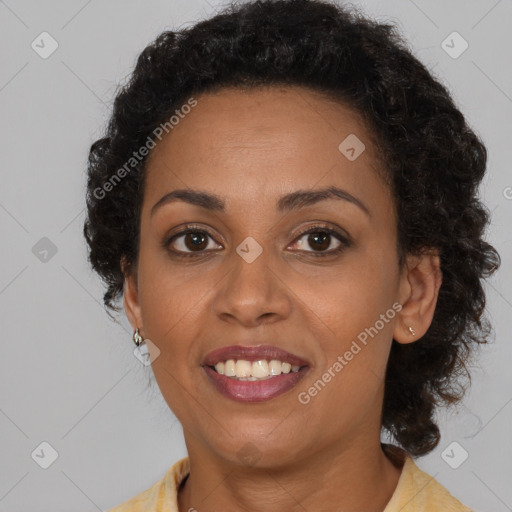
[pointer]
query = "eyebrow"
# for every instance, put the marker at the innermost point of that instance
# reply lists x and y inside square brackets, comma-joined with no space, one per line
[292,201]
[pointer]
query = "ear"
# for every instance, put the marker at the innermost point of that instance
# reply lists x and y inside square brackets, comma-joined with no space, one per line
[420,282]
[131,296]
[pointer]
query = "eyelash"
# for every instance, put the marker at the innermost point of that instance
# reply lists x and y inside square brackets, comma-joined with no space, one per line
[192,228]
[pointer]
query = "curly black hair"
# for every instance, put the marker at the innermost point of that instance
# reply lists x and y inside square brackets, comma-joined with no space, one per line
[434,164]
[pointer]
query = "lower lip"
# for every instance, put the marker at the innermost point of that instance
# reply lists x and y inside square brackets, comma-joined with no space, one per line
[254,390]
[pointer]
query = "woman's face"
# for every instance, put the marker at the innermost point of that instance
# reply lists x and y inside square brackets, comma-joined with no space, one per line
[249,277]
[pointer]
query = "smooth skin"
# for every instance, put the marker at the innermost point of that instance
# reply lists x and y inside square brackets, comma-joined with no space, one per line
[250,147]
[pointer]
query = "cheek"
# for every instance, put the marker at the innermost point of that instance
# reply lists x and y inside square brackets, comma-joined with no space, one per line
[354,350]
[354,303]
[171,304]
[353,294]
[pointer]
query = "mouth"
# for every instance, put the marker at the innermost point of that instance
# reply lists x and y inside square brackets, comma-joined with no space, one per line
[253,374]
[260,369]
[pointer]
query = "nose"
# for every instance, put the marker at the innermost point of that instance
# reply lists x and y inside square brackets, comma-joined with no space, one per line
[253,293]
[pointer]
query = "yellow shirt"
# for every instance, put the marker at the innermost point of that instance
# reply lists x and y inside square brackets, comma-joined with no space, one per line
[416,491]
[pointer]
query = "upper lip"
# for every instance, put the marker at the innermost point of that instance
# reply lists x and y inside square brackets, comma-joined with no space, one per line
[252,353]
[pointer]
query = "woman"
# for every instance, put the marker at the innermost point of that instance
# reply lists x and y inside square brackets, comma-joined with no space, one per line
[287,202]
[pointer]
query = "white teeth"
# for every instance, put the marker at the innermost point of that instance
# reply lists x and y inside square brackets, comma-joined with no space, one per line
[259,369]
[256,370]
[243,368]
[275,367]
[229,368]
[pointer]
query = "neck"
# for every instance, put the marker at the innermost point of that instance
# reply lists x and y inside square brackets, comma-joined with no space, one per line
[358,477]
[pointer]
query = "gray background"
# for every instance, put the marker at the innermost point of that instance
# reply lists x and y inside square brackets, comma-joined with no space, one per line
[68,375]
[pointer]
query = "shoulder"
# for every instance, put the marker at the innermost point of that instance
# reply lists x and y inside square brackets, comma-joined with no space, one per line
[417,491]
[162,496]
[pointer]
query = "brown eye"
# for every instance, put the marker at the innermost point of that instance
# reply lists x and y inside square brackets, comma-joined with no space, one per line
[195,240]
[319,239]
[189,241]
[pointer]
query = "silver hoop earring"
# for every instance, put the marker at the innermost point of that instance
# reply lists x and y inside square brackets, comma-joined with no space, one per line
[137,338]
[413,332]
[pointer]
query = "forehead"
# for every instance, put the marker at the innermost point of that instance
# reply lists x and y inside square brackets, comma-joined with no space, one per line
[255,144]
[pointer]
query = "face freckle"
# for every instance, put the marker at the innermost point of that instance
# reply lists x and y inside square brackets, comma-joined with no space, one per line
[247,150]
